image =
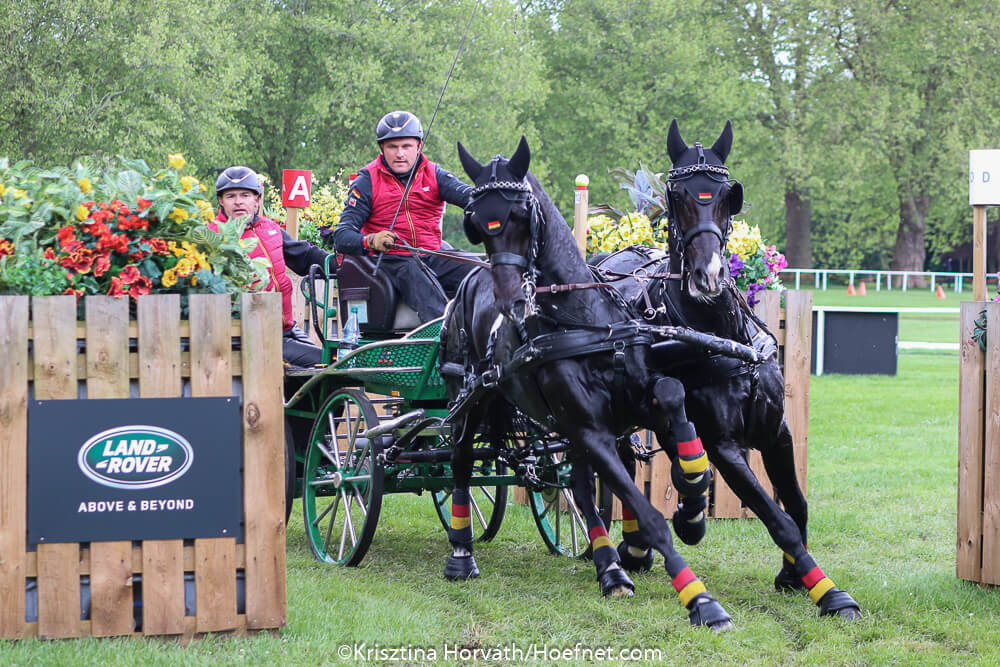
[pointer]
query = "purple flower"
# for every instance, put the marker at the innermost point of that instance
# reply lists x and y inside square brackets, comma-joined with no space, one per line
[735,265]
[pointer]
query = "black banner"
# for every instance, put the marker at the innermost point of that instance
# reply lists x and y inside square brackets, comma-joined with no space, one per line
[134,469]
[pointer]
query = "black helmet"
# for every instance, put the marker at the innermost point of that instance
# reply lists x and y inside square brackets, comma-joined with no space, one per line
[238,178]
[397,125]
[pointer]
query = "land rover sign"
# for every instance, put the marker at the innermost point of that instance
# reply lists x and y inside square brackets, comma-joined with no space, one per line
[134,469]
[135,457]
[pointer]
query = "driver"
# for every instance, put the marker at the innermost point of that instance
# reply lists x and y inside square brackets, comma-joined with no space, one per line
[366,223]
[239,191]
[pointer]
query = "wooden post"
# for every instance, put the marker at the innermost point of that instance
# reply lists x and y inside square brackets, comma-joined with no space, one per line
[580,223]
[979,253]
[292,222]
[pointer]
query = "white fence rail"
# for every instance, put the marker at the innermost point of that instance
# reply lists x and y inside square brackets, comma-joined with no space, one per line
[902,278]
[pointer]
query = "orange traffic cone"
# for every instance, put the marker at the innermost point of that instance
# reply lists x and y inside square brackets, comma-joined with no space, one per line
[850,290]
[939,293]
[861,289]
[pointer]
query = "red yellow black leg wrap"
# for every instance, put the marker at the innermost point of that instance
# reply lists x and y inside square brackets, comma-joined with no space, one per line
[688,586]
[817,583]
[599,538]
[629,524]
[692,457]
[460,516]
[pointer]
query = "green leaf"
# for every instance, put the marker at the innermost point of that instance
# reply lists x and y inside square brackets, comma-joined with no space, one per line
[137,165]
[130,183]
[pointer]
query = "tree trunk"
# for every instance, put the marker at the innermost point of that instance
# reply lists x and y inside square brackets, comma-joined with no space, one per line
[910,253]
[798,229]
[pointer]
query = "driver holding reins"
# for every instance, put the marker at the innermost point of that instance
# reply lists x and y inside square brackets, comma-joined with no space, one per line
[366,223]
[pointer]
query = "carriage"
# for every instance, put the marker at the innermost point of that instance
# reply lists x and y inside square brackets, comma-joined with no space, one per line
[375,421]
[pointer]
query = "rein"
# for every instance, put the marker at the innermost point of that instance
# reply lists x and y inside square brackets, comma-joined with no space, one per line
[457,256]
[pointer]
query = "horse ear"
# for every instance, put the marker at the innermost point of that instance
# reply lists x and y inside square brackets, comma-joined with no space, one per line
[519,161]
[724,143]
[469,163]
[675,145]
[735,198]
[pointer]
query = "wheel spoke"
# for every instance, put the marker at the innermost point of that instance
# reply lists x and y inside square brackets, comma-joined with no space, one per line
[486,492]
[361,503]
[333,520]
[479,514]
[348,526]
[332,421]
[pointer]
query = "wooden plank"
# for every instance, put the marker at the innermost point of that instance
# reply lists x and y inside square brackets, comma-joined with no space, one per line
[13,462]
[263,433]
[160,377]
[971,397]
[798,352]
[215,584]
[726,504]
[978,253]
[211,375]
[661,489]
[991,455]
[111,588]
[107,377]
[54,363]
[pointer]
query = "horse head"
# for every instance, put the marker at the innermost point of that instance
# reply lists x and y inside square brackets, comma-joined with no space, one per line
[502,215]
[701,200]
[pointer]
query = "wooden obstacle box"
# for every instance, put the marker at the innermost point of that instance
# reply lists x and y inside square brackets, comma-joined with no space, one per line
[978,540]
[177,531]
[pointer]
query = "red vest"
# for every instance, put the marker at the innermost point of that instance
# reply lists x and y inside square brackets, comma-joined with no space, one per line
[269,245]
[419,219]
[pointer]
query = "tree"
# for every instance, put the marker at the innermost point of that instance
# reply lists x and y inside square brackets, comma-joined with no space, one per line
[141,78]
[922,85]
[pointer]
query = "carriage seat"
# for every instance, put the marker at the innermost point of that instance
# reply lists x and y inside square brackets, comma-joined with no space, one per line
[380,310]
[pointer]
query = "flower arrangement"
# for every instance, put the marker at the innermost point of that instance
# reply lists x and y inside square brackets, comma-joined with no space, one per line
[123,229]
[753,265]
[325,206]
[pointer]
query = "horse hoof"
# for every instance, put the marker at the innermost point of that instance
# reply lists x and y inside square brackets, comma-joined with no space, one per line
[460,568]
[615,583]
[787,580]
[706,610]
[635,563]
[838,603]
[689,532]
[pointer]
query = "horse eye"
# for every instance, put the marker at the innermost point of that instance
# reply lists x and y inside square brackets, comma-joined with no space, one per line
[520,211]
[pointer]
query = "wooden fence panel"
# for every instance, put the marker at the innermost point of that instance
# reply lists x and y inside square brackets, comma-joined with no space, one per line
[971,397]
[211,375]
[263,428]
[13,462]
[108,377]
[55,373]
[991,451]
[160,377]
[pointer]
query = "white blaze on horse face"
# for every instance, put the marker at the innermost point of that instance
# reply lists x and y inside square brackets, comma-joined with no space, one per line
[713,269]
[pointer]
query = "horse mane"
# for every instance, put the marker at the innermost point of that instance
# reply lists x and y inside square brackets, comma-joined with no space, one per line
[560,253]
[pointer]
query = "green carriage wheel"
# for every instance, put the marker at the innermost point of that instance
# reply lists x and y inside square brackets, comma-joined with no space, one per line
[343,480]
[488,504]
[560,522]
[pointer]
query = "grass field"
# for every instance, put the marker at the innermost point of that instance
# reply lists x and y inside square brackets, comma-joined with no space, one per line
[882,491]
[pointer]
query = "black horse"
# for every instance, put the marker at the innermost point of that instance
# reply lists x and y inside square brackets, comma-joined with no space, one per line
[733,406]
[569,357]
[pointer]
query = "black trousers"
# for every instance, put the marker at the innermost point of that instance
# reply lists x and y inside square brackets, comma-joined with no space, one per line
[299,350]
[425,284]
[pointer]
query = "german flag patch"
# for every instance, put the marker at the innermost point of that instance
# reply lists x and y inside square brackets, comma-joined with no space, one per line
[704,195]
[493,225]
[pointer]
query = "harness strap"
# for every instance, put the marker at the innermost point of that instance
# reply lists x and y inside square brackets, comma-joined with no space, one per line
[569,287]
[456,255]
[510,258]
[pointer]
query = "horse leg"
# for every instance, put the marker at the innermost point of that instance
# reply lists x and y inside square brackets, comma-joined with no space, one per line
[779,462]
[462,564]
[702,607]
[689,469]
[613,580]
[822,591]
[633,551]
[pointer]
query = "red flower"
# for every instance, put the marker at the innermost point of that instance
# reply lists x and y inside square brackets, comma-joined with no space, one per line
[159,246]
[66,235]
[102,264]
[116,242]
[143,204]
[116,287]
[50,253]
[100,216]
[88,204]
[129,275]
[77,292]
[7,248]
[140,287]
[80,260]
[138,255]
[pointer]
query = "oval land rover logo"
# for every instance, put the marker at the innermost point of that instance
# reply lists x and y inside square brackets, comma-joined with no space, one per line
[135,457]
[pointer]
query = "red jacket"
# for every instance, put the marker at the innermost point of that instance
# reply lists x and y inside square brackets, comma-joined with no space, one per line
[419,220]
[269,245]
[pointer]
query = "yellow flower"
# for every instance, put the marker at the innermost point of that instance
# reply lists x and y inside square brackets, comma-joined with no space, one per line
[176,160]
[205,210]
[194,280]
[178,215]
[85,186]
[188,183]
[169,278]
[82,212]
[19,193]
[185,267]
[202,188]
[3,189]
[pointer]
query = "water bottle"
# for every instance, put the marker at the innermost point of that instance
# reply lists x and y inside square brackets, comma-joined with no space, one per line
[349,341]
